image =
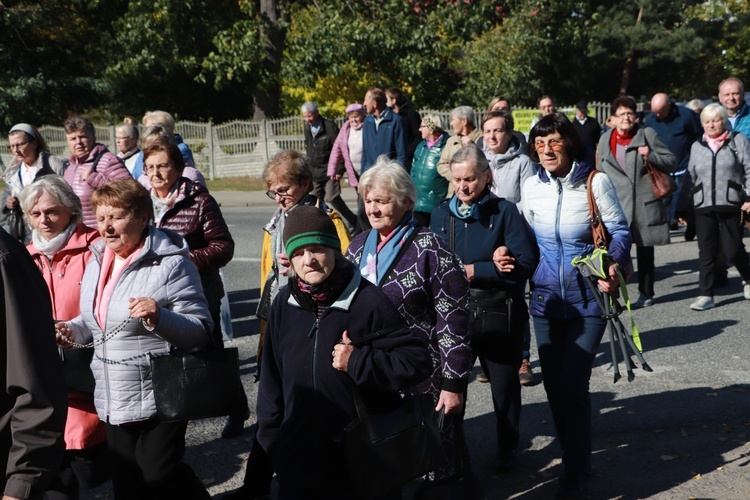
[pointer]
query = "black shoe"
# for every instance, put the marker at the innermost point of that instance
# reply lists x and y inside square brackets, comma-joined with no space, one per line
[690,232]
[673,225]
[505,463]
[235,425]
[573,486]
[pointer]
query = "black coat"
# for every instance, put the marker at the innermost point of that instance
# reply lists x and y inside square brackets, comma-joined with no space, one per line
[319,148]
[304,403]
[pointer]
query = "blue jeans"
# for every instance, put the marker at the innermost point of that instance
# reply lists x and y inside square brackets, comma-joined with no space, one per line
[566,354]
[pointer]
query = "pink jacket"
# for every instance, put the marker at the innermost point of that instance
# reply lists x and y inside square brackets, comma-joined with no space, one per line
[341,151]
[109,168]
[63,274]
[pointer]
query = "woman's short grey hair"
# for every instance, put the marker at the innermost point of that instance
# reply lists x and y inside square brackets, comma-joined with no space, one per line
[58,189]
[474,155]
[158,116]
[465,113]
[309,107]
[76,123]
[128,129]
[390,175]
[714,110]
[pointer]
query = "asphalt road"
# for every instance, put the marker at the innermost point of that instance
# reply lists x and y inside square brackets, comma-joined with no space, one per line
[676,433]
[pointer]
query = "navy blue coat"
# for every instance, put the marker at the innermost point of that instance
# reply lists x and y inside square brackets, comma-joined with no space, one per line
[304,403]
[498,223]
[390,139]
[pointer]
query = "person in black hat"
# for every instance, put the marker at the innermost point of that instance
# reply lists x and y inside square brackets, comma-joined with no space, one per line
[587,127]
[309,364]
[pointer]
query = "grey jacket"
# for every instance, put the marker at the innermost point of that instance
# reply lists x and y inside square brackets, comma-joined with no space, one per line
[647,216]
[509,171]
[721,181]
[163,271]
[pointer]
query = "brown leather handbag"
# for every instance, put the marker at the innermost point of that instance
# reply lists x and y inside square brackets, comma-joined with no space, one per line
[598,231]
[662,184]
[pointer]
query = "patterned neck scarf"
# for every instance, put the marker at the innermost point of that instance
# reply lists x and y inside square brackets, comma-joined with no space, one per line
[378,257]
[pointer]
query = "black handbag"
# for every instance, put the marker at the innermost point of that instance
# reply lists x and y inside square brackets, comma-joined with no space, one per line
[386,450]
[193,385]
[264,304]
[490,312]
[77,368]
[464,485]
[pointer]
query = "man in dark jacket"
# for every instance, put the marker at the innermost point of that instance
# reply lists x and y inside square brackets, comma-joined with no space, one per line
[396,100]
[588,128]
[33,402]
[320,135]
[679,128]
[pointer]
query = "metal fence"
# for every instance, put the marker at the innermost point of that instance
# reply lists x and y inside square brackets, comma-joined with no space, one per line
[242,148]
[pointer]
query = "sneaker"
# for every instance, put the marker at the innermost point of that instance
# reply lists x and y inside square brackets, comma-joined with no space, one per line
[746,289]
[525,374]
[482,378]
[644,301]
[702,303]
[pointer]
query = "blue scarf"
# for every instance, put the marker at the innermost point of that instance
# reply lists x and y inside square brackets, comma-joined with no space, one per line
[463,212]
[377,258]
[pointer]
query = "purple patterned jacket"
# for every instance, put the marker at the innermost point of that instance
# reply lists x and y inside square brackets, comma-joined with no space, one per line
[429,288]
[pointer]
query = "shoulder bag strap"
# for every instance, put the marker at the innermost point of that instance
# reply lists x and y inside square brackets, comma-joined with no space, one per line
[595,218]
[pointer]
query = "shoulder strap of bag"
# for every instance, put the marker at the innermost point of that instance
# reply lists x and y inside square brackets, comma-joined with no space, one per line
[372,336]
[96,160]
[452,233]
[595,218]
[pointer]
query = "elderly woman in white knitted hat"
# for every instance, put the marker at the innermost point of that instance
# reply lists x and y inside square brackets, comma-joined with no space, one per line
[30,162]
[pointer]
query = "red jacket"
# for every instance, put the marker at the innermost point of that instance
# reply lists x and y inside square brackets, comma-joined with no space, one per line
[63,274]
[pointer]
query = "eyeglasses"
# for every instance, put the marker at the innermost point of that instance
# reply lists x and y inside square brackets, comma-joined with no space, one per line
[161,167]
[625,115]
[282,191]
[13,147]
[118,138]
[554,145]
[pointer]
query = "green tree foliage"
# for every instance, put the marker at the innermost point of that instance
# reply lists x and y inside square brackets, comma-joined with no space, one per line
[358,44]
[158,49]
[47,54]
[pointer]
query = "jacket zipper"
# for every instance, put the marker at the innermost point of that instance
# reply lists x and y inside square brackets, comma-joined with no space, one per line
[560,248]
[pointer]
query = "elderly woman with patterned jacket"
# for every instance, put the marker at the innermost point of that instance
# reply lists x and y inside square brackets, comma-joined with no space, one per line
[567,321]
[424,279]
[305,396]
[90,165]
[621,154]
[30,162]
[431,186]
[719,167]
[141,295]
[476,223]
[60,247]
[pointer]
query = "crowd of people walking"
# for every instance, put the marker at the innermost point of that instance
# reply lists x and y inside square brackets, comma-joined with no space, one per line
[458,245]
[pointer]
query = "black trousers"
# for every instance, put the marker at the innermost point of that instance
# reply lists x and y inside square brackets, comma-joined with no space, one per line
[712,228]
[146,460]
[646,271]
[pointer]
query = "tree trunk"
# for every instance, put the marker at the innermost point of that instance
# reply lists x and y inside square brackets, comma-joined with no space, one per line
[630,60]
[268,92]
